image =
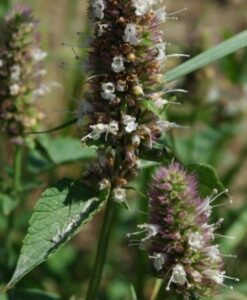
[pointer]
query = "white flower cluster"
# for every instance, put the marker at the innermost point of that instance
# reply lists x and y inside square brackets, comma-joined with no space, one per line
[98,7]
[99,129]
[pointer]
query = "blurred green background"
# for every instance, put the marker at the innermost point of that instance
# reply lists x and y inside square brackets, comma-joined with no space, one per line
[215,109]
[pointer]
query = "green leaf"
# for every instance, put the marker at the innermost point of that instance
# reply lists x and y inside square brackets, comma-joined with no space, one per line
[32,294]
[144,164]
[238,230]
[38,161]
[208,179]
[60,213]
[133,292]
[225,48]
[66,149]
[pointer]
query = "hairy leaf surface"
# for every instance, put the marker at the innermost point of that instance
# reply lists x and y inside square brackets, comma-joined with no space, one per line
[60,213]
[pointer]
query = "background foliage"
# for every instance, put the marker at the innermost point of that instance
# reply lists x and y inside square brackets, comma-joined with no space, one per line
[215,110]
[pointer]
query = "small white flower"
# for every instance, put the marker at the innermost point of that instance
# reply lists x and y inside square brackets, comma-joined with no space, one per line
[136,140]
[104,184]
[15,73]
[102,29]
[118,64]
[141,6]
[130,34]
[119,195]
[97,130]
[98,7]
[195,240]
[1,63]
[213,253]
[151,230]
[166,125]
[121,86]
[160,103]
[108,90]
[161,15]
[178,276]
[38,55]
[161,51]
[158,261]
[130,123]
[14,89]
[196,275]
[215,275]
[113,128]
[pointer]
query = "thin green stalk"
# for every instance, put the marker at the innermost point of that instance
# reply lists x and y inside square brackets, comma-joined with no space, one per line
[156,290]
[18,155]
[101,251]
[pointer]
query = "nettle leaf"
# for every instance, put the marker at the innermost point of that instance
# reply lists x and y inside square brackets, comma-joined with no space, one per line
[66,149]
[60,213]
[208,178]
[223,49]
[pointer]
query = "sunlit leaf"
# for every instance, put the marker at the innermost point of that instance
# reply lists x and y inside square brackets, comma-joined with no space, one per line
[66,149]
[61,212]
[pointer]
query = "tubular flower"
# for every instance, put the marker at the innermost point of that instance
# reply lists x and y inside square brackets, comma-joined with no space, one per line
[21,74]
[178,236]
[126,56]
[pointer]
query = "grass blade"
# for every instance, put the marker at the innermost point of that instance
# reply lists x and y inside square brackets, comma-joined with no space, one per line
[223,49]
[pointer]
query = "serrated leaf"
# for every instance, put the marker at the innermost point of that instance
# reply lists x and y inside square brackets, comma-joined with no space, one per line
[31,294]
[66,149]
[223,49]
[208,179]
[60,213]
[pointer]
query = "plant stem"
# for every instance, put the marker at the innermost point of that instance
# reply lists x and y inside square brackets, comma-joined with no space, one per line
[101,251]
[17,168]
[157,287]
